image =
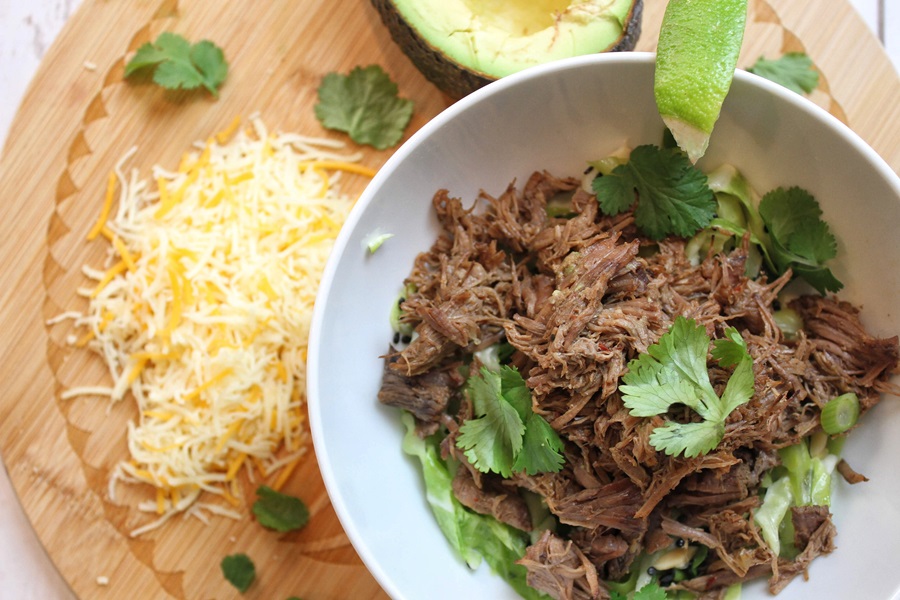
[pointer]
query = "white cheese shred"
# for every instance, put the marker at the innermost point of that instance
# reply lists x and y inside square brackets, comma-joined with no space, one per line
[202,311]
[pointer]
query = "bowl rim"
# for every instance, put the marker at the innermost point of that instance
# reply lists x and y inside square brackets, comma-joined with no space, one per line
[440,120]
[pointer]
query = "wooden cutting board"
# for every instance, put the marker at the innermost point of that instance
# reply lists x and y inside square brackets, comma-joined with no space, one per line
[76,121]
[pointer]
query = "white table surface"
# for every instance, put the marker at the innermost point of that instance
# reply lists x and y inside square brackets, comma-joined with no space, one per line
[27,28]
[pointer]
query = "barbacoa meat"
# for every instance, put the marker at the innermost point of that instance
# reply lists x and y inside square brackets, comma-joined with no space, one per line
[560,569]
[577,298]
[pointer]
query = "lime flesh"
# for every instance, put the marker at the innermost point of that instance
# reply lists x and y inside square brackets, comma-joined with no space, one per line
[699,44]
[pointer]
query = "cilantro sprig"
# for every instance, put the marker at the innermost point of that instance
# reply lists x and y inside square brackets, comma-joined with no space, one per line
[239,570]
[800,239]
[672,194]
[507,435]
[674,371]
[278,511]
[788,228]
[794,71]
[176,63]
[650,591]
[365,105]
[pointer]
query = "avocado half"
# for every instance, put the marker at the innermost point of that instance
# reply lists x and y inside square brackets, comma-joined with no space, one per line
[462,45]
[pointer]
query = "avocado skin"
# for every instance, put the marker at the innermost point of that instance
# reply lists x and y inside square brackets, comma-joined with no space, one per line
[454,79]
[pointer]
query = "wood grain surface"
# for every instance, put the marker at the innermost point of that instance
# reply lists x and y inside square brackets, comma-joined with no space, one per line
[76,122]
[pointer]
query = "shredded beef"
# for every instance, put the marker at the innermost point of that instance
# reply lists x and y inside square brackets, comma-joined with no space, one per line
[559,569]
[612,506]
[807,520]
[425,396]
[490,497]
[576,299]
[849,475]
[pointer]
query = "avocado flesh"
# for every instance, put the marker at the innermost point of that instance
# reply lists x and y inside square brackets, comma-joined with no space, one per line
[477,41]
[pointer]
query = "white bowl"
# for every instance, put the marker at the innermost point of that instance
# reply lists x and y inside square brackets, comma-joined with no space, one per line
[557,117]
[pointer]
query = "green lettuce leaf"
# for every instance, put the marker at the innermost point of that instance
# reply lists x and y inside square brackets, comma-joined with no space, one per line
[473,536]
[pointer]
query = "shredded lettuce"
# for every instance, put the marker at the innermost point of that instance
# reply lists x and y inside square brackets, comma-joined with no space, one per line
[473,536]
[810,476]
[735,215]
[784,227]
[805,480]
[772,512]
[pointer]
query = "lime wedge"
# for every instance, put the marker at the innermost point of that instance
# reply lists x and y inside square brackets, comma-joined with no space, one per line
[699,44]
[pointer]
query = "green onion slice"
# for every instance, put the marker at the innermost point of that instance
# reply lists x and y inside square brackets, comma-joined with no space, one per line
[840,414]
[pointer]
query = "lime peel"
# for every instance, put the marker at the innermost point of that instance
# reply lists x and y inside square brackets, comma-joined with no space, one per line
[699,45]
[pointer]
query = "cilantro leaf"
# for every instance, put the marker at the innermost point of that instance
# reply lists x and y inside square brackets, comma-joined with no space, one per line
[650,591]
[365,105]
[148,55]
[239,570]
[820,278]
[730,350]
[672,195]
[794,71]
[516,392]
[210,61]
[690,439]
[492,441]
[614,193]
[799,238]
[813,240]
[784,210]
[278,511]
[656,399]
[506,434]
[541,448]
[178,64]
[674,371]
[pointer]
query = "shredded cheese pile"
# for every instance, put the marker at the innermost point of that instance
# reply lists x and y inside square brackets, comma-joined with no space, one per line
[203,311]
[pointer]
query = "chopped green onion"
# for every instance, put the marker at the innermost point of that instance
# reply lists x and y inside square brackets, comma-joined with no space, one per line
[701,555]
[818,445]
[733,592]
[374,240]
[607,165]
[624,587]
[560,206]
[840,414]
[835,445]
